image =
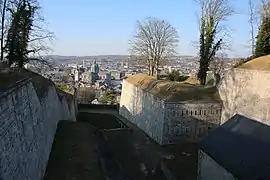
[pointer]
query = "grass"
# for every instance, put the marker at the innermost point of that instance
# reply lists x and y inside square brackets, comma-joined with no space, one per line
[9,76]
[65,88]
[188,90]
[261,63]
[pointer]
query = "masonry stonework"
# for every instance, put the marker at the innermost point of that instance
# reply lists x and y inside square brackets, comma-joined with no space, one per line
[246,92]
[168,122]
[143,109]
[190,121]
[27,127]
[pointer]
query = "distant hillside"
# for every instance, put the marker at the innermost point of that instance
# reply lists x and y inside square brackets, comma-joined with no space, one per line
[57,59]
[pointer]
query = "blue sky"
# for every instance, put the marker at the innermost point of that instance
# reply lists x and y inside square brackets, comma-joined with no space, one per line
[98,27]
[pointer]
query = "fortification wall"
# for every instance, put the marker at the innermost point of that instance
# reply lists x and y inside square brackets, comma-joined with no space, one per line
[246,92]
[143,109]
[27,126]
[168,122]
[190,121]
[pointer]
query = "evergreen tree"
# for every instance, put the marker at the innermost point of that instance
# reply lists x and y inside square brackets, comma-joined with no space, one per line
[19,33]
[263,38]
[208,47]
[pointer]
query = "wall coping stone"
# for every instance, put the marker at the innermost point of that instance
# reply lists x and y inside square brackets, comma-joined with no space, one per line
[15,86]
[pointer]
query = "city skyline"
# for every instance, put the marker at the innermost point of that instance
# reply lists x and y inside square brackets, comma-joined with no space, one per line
[93,27]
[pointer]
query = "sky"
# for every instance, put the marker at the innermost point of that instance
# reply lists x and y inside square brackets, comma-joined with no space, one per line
[103,27]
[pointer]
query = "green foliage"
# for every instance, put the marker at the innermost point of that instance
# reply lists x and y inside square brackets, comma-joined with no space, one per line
[208,46]
[163,76]
[108,97]
[19,33]
[65,88]
[174,75]
[263,38]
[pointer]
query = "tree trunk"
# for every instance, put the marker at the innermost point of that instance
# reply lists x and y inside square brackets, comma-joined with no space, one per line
[2,30]
[152,70]
[157,74]
[149,69]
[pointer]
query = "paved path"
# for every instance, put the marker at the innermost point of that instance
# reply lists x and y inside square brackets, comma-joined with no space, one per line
[74,154]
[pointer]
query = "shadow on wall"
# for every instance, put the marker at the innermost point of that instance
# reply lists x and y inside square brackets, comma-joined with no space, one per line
[246,154]
[171,131]
[191,130]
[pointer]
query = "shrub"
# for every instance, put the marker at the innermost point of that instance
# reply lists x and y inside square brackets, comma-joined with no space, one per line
[64,87]
[174,75]
[108,97]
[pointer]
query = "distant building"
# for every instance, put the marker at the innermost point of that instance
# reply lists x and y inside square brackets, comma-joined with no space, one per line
[122,74]
[77,75]
[108,78]
[94,72]
[86,77]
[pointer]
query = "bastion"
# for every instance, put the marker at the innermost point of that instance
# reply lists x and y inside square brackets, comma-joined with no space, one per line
[170,112]
[30,108]
[245,90]
[239,148]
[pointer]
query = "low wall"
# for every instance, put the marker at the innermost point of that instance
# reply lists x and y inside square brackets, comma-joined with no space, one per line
[98,106]
[246,92]
[210,170]
[28,122]
[168,122]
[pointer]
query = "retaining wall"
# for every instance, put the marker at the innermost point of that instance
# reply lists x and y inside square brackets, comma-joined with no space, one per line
[27,126]
[246,92]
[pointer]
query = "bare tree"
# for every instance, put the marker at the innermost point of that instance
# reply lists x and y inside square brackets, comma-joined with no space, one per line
[155,40]
[252,22]
[218,63]
[264,9]
[212,32]
[3,23]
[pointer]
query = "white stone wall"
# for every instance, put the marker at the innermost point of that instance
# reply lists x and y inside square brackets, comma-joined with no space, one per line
[190,121]
[27,128]
[143,109]
[208,169]
[246,92]
[168,122]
